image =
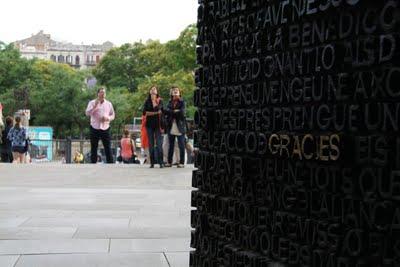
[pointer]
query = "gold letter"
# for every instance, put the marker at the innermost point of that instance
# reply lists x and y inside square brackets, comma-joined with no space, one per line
[297,148]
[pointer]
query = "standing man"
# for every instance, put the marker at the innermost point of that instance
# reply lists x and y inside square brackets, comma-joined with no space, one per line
[101,113]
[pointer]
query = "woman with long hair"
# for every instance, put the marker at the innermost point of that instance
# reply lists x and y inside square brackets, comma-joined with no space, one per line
[128,148]
[153,110]
[17,136]
[176,125]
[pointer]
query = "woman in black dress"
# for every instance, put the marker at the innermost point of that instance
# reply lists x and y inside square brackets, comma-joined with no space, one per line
[153,110]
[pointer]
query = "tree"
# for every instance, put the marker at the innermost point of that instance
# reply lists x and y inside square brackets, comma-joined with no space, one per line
[130,64]
[57,94]
[59,98]
[14,70]
[152,59]
[122,101]
[182,51]
[120,67]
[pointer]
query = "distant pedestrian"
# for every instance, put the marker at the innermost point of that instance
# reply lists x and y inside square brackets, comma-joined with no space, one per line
[153,110]
[101,113]
[6,147]
[128,149]
[17,136]
[78,157]
[176,125]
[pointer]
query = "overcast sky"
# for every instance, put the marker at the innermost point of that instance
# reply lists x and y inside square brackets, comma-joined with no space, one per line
[96,21]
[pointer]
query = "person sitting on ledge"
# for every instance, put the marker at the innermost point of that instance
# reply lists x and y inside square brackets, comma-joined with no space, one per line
[128,149]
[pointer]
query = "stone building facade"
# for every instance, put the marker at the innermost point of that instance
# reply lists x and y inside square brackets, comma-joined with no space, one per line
[42,46]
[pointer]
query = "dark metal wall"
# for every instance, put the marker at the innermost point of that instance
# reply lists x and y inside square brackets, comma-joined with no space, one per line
[298,134]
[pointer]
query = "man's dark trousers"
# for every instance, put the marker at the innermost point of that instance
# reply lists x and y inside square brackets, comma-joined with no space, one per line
[181,145]
[105,137]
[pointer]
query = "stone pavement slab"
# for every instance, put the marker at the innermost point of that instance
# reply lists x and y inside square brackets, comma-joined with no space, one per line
[98,260]
[178,259]
[133,232]
[149,245]
[98,176]
[94,215]
[37,232]
[75,222]
[8,261]
[11,212]
[160,220]
[47,246]
[12,222]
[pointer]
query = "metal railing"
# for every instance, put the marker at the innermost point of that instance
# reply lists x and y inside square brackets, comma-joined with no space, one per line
[63,150]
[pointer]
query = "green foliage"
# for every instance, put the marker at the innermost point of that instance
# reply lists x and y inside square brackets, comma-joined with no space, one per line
[57,94]
[120,67]
[59,98]
[181,52]
[122,101]
[13,68]
[131,64]
[9,102]
[152,59]
[138,66]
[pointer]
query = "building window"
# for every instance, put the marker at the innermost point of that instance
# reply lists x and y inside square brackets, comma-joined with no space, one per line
[61,58]
[90,59]
[53,58]
[97,59]
[77,60]
[69,59]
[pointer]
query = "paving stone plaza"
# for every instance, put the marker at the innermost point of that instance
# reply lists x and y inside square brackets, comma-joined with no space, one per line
[94,215]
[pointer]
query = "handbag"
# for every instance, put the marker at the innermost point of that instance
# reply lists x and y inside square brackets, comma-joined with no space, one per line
[175,129]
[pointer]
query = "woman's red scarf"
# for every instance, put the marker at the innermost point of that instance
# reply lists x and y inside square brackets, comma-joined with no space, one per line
[143,134]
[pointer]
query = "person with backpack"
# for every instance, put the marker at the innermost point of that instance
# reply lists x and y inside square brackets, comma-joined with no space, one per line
[19,143]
